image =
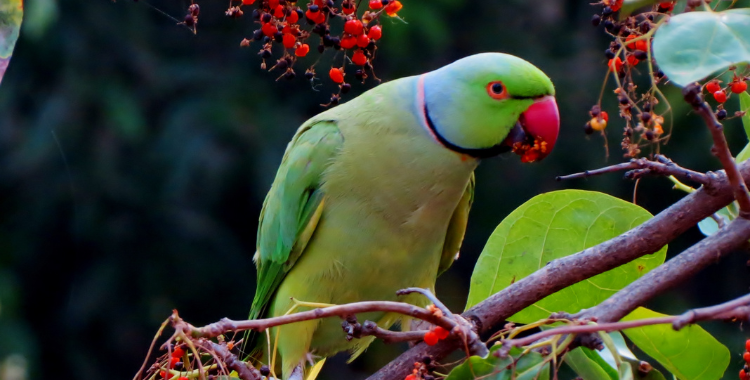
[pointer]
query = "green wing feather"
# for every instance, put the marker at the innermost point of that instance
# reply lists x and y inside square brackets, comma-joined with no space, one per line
[292,209]
[457,228]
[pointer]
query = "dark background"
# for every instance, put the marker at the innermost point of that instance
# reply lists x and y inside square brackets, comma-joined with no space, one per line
[134,158]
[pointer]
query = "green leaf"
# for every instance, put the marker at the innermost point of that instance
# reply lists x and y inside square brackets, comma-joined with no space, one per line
[554,225]
[690,354]
[629,6]
[587,367]
[530,366]
[691,46]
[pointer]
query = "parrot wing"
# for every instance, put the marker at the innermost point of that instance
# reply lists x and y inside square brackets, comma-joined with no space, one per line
[457,228]
[292,208]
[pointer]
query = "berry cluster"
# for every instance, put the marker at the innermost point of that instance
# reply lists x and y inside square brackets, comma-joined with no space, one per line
[422,370]
[285,30]
[738,85]
[745,371]
[630,46]
[173,361]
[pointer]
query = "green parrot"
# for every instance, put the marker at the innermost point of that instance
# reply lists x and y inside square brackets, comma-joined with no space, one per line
[373,196]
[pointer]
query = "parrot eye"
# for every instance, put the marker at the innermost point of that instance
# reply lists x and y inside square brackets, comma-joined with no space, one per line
[496,90]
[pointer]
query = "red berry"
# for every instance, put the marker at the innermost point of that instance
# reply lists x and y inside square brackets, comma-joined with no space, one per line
[273,3]
[317,17]
[293,17]
[739,87]
[720,96]
[747,345]
[393,7]
[178,352]
[630,45]
[632,60]
[348,8]
[289,41]
[743,374]
[604,115]
[666,6]
[712,86]
[163,374]
[348,42]
[172,361]
[183,378]
[615,64]
[278,12]
[375,32]
[746,356]
[269,29]
[641,45]
[441,332]
[337,75]
[248,2]
[353,27]
[410,377]
[359,58]
[376,4]
[616,5]
[320,18]
[363,41]
[302,50]
[430,338]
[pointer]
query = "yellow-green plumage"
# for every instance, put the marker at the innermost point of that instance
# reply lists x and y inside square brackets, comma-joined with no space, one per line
[365,203]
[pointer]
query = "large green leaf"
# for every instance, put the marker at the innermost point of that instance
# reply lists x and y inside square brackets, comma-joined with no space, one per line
[690,354]
[530,366]
[554,225]
[691,46]
[11,14]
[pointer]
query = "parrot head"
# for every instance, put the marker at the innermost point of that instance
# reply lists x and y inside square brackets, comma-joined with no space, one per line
[491,103]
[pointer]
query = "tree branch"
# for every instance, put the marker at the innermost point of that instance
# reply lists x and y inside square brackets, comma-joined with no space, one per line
[735,308]
[641,166]
[692,95]
[558,274]
[671,273]
[226,325]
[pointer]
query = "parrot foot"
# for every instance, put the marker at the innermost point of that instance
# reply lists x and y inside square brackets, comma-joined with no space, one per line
[315,305]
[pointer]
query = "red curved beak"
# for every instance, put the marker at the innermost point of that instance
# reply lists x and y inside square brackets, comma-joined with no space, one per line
[539,127]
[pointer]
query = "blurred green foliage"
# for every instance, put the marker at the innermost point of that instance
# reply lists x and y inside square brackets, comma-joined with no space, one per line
[134,158]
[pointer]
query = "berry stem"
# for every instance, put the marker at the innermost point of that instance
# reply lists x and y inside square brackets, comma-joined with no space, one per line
[720,149]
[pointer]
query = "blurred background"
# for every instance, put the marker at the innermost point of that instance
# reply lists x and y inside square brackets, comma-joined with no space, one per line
[135,156]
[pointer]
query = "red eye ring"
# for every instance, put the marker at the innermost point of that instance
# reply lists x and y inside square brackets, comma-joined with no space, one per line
[496,90]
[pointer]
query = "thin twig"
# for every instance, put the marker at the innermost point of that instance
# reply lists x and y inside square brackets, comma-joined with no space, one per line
[244,371]
[226,324]
[692,95]
[712,312]
[717,312]
[428,294]
[643,166]
[588,328]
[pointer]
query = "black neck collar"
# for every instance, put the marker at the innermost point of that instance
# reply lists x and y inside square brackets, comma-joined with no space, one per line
[473,152]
